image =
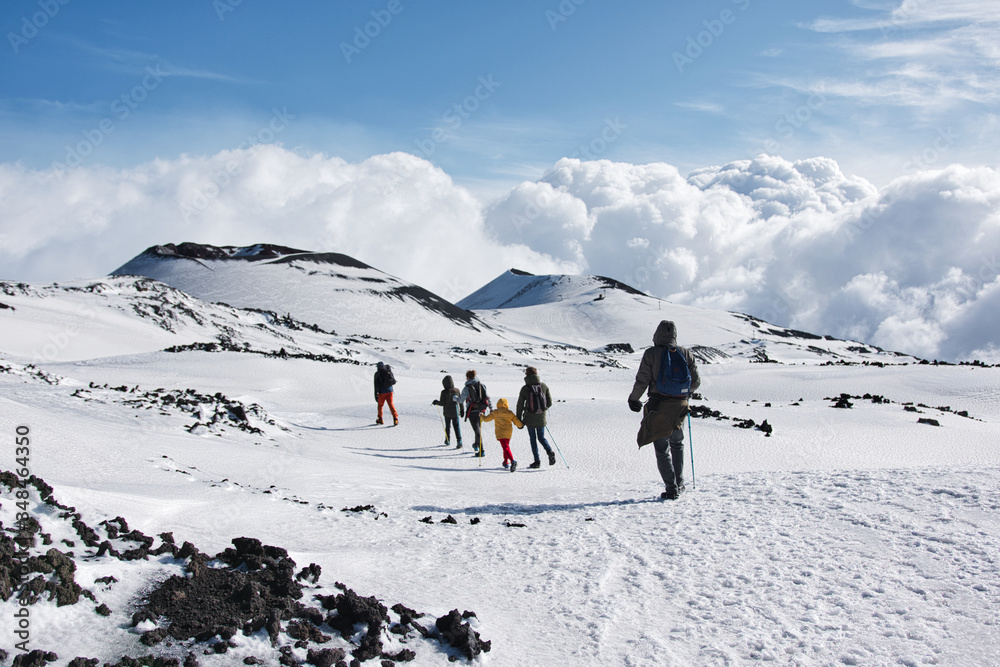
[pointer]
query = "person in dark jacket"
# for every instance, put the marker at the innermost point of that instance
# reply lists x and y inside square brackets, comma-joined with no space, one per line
[663,415]
[477,401]
[453,410]
[383,392]
[535,421]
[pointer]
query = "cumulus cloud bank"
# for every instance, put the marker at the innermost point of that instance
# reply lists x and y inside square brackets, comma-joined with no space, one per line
[910,267]
[396,212]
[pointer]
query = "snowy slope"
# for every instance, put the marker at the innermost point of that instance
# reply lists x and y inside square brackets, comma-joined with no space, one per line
[593,311]
[852,535]
[128,315]
[328,289]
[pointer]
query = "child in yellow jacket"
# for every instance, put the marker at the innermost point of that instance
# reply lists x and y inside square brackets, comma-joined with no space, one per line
[504,421]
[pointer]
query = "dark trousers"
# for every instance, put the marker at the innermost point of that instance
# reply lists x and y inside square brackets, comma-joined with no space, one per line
[448,423]
[536,435]
[670,459]
[476,429]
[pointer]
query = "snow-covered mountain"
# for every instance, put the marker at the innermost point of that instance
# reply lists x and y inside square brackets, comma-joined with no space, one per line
[125,315]
[593,311]
[150,428]
[331,290]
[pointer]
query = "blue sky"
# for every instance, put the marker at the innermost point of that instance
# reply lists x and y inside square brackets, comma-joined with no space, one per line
[873,85]
[829,165]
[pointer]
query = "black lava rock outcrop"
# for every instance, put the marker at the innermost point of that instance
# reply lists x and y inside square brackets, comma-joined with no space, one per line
[242,590]
[457,632]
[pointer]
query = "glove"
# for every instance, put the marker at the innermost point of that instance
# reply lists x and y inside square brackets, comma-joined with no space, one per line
[634,406]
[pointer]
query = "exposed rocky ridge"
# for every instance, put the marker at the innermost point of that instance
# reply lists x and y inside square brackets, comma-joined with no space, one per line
[260,251]
[357,277]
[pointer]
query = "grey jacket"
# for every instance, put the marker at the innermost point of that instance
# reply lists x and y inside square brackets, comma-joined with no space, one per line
[645,377]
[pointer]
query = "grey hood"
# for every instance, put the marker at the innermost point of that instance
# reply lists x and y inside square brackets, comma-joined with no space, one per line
[666,334]
[448,382]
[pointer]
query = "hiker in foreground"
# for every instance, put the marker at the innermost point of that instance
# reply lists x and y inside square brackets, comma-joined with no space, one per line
[667,373]
[384,380]
[532,404]
[504,421]
[453,410]
[477,401]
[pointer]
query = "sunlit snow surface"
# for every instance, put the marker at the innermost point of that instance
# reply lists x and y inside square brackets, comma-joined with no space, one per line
[850,536]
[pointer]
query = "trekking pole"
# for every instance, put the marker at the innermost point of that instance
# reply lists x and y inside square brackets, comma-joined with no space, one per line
[691,444]
[557,446]
[444,426]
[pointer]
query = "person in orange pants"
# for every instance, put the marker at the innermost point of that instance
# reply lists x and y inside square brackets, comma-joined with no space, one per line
[384,380]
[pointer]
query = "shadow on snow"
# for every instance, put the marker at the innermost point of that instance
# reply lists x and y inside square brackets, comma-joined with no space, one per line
[519,508]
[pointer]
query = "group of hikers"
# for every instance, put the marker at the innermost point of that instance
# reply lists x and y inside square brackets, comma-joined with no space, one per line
[667,374]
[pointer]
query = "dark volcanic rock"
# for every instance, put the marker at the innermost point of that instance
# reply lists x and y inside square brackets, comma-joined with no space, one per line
[326,657]
[35,658]
[249,587]
[222,601]
[455,631]
[84,662]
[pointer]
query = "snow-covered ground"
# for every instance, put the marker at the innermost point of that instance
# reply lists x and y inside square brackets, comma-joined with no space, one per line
[849,536]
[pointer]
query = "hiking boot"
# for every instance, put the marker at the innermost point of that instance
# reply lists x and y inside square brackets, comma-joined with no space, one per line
[536,464]
[506,465]
[395,422]
[447,441]
[513,466]
[378,421]
[458,446]
[669,494]
[681,488]
[552,458]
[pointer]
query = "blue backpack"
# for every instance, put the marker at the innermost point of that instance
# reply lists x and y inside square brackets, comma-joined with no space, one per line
[674,378]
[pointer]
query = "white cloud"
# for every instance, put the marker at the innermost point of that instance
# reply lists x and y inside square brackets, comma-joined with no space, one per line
[797,243]
[917,53]
[396,212]
[912,266]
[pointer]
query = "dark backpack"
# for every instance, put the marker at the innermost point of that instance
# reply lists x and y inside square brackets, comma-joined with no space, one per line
[388,379]
[535,402]
[479,400]
[674,378]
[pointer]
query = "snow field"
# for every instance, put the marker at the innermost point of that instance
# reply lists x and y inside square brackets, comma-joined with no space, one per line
[874,545]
